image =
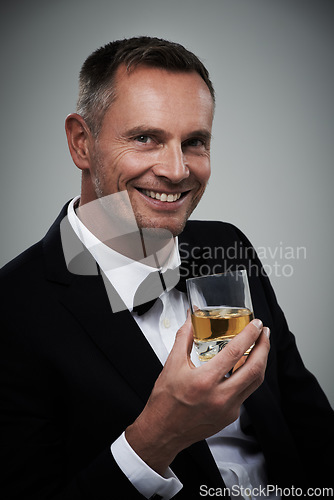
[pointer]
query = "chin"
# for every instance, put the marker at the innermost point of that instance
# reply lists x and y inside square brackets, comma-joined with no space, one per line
[159,228]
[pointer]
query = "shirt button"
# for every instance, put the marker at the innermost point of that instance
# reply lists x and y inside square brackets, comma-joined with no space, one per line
[166,323]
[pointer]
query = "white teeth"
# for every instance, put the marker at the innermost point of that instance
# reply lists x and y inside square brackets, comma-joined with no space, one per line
[162,196]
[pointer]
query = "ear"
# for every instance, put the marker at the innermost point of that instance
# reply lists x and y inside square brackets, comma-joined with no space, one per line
[79,138]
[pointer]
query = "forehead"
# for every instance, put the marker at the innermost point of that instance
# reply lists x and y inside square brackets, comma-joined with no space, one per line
[156,92]
[143,74]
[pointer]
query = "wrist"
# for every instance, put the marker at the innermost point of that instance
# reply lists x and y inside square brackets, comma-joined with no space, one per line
[151,445]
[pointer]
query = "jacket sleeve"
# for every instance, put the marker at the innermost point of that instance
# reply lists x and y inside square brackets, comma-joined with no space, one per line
[304,405]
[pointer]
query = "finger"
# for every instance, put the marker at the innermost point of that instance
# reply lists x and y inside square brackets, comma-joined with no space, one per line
[228,357]
[239,363]
[251,374]
[243,359]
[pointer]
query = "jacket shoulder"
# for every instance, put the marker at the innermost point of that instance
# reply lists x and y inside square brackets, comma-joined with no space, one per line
[30,263]
[21,264]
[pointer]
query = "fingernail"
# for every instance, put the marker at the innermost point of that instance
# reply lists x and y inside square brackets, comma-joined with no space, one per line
[266,331]
[257,323]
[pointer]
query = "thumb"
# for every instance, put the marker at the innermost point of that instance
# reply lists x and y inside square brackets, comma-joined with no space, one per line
[184,338]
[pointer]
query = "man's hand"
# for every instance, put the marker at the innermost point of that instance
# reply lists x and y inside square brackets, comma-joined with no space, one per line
[189,404]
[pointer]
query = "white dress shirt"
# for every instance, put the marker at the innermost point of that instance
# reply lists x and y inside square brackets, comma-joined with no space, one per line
[238,457]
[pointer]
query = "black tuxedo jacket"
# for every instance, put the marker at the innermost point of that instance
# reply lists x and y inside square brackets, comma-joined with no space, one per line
[74,375]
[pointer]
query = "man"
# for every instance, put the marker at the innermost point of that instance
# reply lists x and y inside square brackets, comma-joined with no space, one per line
[101,399]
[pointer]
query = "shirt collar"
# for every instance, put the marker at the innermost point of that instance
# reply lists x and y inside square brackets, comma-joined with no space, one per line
[124,274]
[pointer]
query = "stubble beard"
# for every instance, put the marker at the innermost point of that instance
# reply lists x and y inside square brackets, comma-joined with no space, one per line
[142,221]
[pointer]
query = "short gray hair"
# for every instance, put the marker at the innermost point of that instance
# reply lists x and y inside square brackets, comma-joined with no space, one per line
[96,83]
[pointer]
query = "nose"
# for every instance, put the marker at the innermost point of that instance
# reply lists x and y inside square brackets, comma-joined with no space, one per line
[172,164]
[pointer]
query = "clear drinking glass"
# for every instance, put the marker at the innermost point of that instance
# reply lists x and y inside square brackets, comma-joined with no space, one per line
[221,307]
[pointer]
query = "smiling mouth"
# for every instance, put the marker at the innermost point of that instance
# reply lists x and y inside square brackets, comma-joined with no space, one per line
[164,197]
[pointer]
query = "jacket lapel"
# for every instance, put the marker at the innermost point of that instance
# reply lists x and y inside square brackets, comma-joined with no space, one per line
[116,334]
[85,296]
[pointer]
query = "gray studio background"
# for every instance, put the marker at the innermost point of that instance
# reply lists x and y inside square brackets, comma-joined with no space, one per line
[272,157]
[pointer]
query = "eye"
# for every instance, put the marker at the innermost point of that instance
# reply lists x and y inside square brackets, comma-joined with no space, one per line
[195,142]
[144,139]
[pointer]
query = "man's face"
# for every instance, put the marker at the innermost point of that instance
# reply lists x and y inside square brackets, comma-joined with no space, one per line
[155,144]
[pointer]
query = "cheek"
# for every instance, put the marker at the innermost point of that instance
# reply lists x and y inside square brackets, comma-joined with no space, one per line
[128,164]
[202,170]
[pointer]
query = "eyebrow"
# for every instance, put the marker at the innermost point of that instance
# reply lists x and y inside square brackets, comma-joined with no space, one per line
[146,130]
[205,134]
